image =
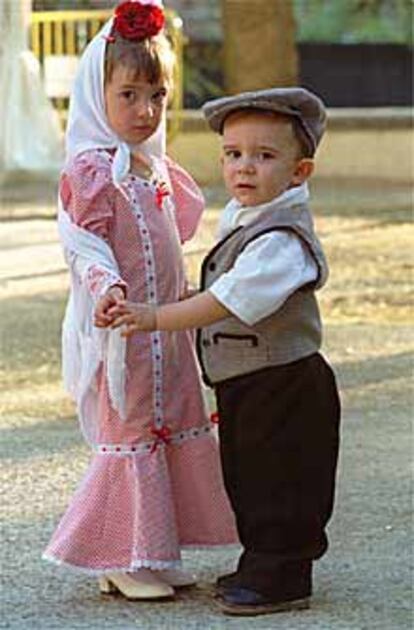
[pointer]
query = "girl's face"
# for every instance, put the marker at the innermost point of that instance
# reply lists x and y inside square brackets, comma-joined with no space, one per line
[260,157]
[134,107]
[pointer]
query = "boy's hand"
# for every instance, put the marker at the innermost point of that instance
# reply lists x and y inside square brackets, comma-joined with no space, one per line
[114,296]
[134,317]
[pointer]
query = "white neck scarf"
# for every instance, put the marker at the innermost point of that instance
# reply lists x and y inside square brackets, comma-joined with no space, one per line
[83,345]
[235,214]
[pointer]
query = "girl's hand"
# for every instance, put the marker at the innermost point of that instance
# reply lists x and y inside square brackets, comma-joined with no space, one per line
[134,317]
[114,296]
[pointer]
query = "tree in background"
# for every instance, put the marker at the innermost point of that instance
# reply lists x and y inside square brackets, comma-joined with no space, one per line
[259,44]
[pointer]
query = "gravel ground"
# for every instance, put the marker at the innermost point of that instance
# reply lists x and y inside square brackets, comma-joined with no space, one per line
[363,582]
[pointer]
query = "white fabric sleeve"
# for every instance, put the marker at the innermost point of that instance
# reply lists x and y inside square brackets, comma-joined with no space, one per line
[97,278]
[265,274]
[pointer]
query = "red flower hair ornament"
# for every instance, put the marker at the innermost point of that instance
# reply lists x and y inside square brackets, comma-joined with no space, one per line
[136,21]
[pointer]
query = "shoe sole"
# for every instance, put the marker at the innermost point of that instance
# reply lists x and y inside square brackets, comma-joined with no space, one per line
[158,598]
[263,609]
[114,591]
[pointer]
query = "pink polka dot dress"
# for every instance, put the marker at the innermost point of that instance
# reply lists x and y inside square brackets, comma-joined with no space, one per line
[154,484]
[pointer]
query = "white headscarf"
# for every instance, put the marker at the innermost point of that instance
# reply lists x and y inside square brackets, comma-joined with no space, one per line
[88,126]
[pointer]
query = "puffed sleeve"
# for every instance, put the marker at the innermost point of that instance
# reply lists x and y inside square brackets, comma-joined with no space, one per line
[88,195]
[188,199]
[87,192]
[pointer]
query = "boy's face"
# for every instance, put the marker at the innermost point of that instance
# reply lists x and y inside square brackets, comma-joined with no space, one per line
[134,106]
[260,157]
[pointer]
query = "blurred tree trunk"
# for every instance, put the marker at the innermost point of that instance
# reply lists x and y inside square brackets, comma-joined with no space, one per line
[259,44]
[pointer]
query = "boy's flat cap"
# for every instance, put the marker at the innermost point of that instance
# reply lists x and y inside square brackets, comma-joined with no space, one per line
[305,106]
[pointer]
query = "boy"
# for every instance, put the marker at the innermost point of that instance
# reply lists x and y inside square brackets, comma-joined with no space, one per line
[258,346]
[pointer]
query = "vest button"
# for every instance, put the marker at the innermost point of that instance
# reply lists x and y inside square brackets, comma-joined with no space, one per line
[206,343]
[212,266]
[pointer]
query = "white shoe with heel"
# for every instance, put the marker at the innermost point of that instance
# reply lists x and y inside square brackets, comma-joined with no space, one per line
[141,584]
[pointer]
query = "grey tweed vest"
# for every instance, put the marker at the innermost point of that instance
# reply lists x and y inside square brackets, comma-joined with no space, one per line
[231,348]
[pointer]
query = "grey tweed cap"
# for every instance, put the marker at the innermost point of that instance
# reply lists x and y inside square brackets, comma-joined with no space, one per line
[305,106]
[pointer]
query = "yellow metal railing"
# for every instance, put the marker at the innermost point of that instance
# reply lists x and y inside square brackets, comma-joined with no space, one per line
[61,36]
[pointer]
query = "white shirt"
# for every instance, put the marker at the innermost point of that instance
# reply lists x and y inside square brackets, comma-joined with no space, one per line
[269,269]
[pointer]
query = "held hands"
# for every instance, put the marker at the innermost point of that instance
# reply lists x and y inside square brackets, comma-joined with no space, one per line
[115,295]
[134,317]
[198,311]
[113,310]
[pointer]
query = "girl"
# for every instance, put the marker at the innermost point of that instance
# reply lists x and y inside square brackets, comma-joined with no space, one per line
[154,482]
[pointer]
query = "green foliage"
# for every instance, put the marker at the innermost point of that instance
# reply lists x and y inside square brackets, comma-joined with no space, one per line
[202,73]
[350,21]
[198,87]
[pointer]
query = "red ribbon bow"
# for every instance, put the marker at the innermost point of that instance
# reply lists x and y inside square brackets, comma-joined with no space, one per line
[160,192]
[214,417]
[163,435]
